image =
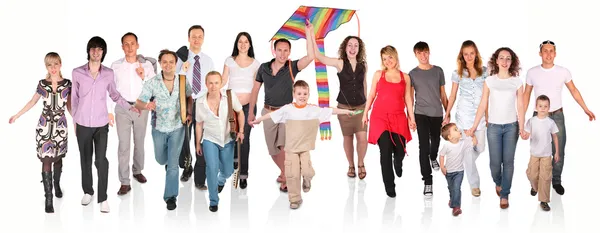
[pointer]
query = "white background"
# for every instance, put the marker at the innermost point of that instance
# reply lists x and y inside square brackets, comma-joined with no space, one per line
[30,29]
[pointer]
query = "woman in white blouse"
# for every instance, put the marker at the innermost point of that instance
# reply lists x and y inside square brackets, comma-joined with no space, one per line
[213,138]
[238,75]
[504,91]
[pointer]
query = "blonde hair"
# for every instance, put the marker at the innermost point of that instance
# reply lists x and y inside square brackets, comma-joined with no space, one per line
[390,51]
[50,58]
[462,64]
[213,73]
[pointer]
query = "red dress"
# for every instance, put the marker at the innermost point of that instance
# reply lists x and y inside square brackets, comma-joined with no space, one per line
[388,110]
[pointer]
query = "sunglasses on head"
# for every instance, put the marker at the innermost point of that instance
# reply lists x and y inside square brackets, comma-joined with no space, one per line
[547,42]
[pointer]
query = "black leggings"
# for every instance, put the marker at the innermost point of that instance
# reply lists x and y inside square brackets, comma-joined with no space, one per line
[386,150]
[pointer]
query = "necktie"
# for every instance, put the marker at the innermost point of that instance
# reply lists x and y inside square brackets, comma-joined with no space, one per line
[196,83]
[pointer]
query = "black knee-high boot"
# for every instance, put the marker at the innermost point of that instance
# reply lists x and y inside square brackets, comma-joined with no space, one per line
[57,173]
[47,180]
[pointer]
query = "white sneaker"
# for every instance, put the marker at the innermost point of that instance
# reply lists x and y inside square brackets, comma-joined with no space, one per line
[104,207]
[86,199]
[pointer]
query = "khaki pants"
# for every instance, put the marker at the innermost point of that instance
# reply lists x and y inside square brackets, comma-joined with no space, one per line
[297,164]
[539,173]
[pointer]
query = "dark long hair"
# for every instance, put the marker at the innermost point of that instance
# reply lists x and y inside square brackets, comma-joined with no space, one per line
[514,68]
[236,51]
[361,56]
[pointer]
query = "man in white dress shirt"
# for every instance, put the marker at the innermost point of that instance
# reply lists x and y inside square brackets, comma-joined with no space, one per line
[130,75]
[194,64]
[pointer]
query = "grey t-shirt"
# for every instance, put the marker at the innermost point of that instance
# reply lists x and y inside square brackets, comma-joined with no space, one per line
[427,85]
[278,88]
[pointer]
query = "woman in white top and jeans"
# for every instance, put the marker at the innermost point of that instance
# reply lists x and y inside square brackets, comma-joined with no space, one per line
[238,74]
[504,90]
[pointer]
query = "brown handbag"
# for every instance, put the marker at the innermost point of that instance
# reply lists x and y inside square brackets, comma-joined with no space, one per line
[182,98]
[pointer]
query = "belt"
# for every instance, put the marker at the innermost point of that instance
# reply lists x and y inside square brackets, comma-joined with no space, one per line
[271,108]
[131,103]
[555,111]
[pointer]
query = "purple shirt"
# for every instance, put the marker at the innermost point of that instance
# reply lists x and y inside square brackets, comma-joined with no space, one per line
[88,96]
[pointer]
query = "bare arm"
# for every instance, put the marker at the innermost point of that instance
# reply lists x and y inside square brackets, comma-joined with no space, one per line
[199,132]
[310,52]
[372,93]
[579,99]
[241,121]
[329,61]
[520,109]
[443,97]
[262,118]
[225,76]
[527,96]
[69,104]
[140,105]
[337,111]
[555,140]
[482,105]
[452,99]
[34,99]
[253,98]
[408,98]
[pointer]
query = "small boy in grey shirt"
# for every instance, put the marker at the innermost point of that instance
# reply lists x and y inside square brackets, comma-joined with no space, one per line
[451,162]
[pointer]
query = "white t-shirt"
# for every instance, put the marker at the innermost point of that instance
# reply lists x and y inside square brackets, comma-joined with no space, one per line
[216,129]
[308,112]
[549,82]
[502,103]
[541,131]
[454,154]
[241,79]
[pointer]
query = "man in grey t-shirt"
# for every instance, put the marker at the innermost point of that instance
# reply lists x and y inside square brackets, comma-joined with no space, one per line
[278,77]
[430,101]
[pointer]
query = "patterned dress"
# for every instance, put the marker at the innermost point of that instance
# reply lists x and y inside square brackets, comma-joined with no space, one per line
[51,131]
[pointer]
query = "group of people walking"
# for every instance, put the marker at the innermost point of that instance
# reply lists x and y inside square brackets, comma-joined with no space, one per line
[189,97]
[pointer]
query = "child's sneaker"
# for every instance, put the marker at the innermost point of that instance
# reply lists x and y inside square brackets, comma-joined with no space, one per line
[545,206]
[435,165]
[295,205]
[305,185]
[456,211]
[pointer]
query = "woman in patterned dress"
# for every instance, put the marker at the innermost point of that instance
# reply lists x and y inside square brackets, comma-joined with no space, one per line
[51,131]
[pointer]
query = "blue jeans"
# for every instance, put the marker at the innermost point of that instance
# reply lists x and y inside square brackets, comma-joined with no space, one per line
[557,168]
[167,148]
[219,167]
[502,144]
[454,182]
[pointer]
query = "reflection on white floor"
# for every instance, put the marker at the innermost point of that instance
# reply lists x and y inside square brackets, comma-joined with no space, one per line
[336,203]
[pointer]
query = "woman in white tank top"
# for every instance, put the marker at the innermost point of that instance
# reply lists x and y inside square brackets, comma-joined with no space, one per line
[238,75]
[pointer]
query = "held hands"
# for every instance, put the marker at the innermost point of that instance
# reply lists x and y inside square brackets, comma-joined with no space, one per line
[524,134]
[199,149]
[251,119]
[140,71]
[470,132]
[412,125]
[446,120]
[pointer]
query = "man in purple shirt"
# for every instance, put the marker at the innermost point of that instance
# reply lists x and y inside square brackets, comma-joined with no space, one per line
[90,114]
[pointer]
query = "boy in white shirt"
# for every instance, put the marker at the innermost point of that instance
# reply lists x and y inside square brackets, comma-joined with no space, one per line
[301,126]
[451,162]
[542,130]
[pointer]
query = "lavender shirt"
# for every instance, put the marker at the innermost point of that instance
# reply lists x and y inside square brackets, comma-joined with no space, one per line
[88,96]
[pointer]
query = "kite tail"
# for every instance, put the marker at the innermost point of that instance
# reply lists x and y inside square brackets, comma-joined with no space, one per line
[323,91]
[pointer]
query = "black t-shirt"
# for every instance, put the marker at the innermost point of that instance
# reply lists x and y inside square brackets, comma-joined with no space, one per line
[278,88]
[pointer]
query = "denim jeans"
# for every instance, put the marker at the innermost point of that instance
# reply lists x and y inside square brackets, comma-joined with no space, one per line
[502,144]
[454,182]
[557,168]
[167,148]
[219,167]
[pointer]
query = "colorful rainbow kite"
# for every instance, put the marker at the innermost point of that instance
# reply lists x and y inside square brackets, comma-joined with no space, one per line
[324,20]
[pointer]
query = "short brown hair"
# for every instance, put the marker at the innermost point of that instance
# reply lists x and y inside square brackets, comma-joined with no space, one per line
[301,83]
[446,130]
[542,98]
[420,47]
[165,52]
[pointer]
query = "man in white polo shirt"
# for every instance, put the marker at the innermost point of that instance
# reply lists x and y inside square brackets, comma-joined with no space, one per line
[548,79]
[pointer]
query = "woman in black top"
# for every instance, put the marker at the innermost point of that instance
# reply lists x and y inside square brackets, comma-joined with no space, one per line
[352,68]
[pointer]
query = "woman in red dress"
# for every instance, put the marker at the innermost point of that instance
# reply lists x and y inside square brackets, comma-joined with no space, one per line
[389,124]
